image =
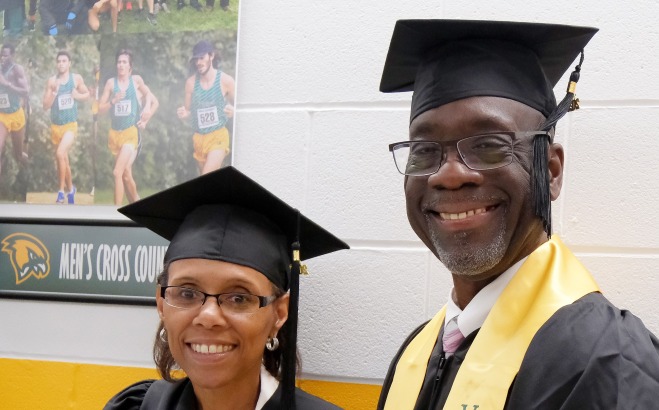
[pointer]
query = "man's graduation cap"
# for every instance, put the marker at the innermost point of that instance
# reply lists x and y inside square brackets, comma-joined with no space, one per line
[224,215]
[448,60]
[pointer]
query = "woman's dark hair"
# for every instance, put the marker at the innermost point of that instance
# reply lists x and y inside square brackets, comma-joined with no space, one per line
[272,361]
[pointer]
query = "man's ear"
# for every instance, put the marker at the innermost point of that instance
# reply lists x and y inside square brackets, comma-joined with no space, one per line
[556,162]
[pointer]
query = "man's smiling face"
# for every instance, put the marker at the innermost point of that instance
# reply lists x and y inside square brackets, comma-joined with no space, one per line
[478,223]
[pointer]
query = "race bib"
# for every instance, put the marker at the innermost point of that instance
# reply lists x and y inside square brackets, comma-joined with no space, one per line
[207,117]
[122,108]
[4,101]
[65,101]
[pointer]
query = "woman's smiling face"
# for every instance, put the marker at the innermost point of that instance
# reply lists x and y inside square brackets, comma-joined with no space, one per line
[214,349]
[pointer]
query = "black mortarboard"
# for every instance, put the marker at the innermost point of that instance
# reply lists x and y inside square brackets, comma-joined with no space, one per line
[224,215]
[447,60]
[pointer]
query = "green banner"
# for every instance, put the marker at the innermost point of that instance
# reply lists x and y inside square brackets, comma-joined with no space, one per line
[80,261]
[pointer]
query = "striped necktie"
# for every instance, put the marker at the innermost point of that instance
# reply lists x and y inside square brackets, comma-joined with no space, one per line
[452,337]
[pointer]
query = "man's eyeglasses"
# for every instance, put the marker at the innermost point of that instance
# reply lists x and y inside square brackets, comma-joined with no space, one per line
[230,303]
[479,152]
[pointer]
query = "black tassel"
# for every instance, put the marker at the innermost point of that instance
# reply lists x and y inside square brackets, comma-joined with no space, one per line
[540,193]
[289,365]
[569,103]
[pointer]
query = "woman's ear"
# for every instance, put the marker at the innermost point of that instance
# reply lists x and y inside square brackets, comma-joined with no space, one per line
[159,303]
[281,311]
[556,161]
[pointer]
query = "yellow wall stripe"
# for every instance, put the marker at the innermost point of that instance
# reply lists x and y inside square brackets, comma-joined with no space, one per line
[45,385]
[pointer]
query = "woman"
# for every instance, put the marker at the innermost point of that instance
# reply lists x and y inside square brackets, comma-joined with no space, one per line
[226,319]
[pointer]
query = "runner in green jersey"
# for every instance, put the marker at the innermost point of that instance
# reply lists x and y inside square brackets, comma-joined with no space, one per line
[209,96]
[131,104]
[14,89]
[62,94]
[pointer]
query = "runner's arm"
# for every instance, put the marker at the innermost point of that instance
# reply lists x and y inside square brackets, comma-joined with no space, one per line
[183,111]
[105,103]
[81,92]
[50,93]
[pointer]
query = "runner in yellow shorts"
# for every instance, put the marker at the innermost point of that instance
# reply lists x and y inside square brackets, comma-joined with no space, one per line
[118,139]
[209,96]
[63,92]
[130,104]
[205,143]
[14,90]
[57,131]
[13,122]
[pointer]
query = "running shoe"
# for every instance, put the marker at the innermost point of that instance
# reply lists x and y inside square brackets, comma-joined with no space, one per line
[151,18]
[71,196]
[60,197]
[164,7]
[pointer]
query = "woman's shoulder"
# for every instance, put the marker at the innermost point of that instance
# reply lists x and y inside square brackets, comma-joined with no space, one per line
[154,394]
[129,398]
[306,401]
[303,401]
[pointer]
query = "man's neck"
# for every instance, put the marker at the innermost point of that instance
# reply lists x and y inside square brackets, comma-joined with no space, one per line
[466,287]
[209,75]
[63,76]
[465,290]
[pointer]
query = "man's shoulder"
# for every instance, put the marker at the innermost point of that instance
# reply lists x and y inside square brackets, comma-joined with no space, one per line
[592,330]
[588,353]
[17,70]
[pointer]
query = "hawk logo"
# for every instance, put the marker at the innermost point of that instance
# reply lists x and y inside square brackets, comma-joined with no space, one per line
[28,255]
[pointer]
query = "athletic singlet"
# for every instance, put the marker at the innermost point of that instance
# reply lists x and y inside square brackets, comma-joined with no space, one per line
[10,102]
[65,108]
[207,107]
[124,114]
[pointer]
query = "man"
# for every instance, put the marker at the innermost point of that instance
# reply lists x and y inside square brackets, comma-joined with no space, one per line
[123,96]
[14,16]
[525,326]
[14,90]
[102,6]
[71,14]
[209,96]
[63,91]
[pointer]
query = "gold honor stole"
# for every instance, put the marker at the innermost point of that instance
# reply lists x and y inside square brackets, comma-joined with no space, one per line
[550,278]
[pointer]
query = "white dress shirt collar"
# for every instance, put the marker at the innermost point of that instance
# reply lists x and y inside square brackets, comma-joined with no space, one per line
[268,387]
[474,315]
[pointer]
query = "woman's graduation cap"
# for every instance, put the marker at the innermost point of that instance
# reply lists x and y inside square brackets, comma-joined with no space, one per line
[224,215]
[447,60]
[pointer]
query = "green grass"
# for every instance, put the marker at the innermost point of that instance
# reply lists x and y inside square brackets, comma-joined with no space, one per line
[186,19]
[106,196]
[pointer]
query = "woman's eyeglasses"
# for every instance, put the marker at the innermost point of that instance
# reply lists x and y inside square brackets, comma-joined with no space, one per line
[230,303]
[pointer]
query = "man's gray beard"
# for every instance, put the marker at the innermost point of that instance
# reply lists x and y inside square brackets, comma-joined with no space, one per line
[471,262]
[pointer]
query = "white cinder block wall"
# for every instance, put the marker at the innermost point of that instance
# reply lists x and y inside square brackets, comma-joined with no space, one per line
[313,128]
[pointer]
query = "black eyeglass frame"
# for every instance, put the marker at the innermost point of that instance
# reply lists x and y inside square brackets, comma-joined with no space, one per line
[263,300]
[515,135]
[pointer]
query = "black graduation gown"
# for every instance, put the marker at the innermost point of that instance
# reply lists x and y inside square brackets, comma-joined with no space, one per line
[163,395]
[588,355]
